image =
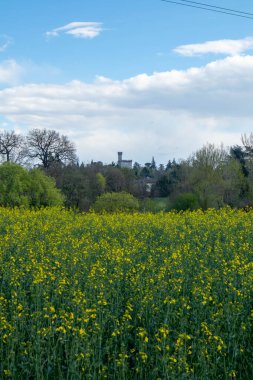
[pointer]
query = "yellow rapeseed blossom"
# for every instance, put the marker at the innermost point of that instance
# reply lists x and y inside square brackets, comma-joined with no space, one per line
[152,296]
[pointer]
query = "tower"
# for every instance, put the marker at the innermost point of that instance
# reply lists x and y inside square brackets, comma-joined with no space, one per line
[119,157]
[124,163]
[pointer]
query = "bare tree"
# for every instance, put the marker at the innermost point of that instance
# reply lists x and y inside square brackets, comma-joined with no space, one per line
[48,147]
[247,142]
[11,146]
[209,156]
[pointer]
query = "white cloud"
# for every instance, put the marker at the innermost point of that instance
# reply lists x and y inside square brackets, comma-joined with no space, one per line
[10,72]
[5,42]
[166,114]
[78,30]
[226,47]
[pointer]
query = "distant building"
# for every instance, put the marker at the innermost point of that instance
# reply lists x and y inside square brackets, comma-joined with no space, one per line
[149,182]
[124,163]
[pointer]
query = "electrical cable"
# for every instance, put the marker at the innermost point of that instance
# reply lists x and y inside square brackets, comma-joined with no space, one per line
[209,9]
[215,6]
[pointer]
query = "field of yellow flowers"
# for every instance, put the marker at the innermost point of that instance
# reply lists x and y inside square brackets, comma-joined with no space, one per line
[142,296]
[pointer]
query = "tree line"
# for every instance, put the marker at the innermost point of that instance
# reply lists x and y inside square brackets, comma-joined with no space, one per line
[211,177]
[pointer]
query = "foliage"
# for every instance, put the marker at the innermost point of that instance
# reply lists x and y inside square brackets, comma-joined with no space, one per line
[163,186]
[80,185]
[116,202]
[20,187]
[142,296]
[14,185]
[217,176]
[239,154]
[209,157]
[101,182]
[186,201]
[42,190]
[115,180]
[205,176]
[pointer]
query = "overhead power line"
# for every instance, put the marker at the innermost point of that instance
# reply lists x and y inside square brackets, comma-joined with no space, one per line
[216,7]
[213,8]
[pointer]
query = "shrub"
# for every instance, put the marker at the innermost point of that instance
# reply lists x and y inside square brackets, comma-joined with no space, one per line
[116,202]
[186,201]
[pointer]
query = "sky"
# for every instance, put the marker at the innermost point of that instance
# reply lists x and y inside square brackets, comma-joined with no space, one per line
[148,78]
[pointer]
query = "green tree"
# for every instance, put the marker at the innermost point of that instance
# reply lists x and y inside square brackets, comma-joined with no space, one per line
[136,168]
[42,190]
[97,183]
[240,155]
[185,201]
[14,185]
[101,181]
[75,187]
[20,187]
[153,164]
[115,180]
[116,202]
[206,175]
[236,186]
[162,186]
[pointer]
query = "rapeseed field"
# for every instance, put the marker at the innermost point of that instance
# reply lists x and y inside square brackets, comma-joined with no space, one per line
[142,296]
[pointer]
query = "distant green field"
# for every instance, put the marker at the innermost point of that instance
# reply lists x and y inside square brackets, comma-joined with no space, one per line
[162,203]
[155,204]
[141,296]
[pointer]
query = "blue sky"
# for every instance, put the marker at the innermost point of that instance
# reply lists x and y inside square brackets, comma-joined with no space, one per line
[147,78]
